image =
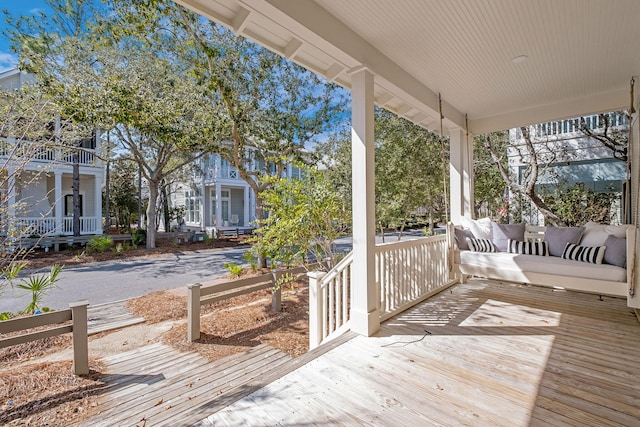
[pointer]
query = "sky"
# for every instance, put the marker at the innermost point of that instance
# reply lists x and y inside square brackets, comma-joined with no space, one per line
[16,8]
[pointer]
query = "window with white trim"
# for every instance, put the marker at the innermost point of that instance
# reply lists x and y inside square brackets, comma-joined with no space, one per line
[192,206]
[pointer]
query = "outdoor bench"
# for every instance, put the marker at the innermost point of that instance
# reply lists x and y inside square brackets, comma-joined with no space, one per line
[550,269]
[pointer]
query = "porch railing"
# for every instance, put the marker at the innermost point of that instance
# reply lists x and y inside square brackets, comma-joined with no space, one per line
[52,154]
[407,273]
[329,301]
[47,225]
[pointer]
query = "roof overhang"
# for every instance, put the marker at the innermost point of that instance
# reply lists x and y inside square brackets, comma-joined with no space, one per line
[580,54]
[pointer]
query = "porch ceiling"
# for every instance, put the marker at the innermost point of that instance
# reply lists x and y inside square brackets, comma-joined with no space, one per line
[581,54]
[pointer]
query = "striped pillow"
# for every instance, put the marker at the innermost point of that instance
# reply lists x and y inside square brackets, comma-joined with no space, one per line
[590,254]
[528,248]
[481,245]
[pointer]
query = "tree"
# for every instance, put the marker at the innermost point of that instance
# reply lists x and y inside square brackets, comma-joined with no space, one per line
[610,136]
[488,186]
[124,197]
[38,39]
[115,81]
[535,161]
[333,156]
[560,203]
[409,171]
[305,218]
[268,108]
[26,132]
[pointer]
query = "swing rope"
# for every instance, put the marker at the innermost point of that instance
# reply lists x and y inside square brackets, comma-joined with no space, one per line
[636,204]
[444,162]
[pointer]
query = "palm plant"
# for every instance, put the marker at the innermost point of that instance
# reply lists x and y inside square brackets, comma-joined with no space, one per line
[39,286]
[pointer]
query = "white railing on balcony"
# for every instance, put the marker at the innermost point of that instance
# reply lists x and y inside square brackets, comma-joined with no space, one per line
[570,127]
[47,226]
[407,273]
[38,152]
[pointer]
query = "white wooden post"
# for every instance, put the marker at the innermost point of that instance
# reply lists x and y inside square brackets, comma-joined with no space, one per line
[59,209]
[218,196]
[193,312]
[97,185]
[80,337]
[315,308]
[247,202]
[460,174]
[634,129]
[365,316]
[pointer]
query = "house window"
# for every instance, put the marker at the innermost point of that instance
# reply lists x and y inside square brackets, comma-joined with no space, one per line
[68,205]
[296,173]
[192,206]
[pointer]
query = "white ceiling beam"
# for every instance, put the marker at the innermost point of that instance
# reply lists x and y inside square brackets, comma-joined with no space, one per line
[591,104]
[241,20]
[205,11]
[292,48]
[333,71]
[384,99]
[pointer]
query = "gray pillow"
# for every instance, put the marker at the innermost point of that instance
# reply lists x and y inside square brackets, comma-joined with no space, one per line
[558,237]
[616,253]
[502,233]
[461,238]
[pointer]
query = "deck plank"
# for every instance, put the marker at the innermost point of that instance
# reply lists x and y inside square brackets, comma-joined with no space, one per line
[157,385]
[482,353]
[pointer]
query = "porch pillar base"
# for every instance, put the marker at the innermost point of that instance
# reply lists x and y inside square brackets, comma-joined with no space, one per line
[363,323]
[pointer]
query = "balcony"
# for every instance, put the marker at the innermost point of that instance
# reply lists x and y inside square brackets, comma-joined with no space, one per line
[34,152]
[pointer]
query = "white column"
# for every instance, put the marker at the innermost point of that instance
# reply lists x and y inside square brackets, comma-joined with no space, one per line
[203,200]
[218,206]
[97,182]
[365,317]
[59,209]
[460,175]
[634,145]
[246,220]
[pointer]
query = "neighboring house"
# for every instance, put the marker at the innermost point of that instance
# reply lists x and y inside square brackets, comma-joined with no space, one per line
[38,191]
[573,157]
[218,197]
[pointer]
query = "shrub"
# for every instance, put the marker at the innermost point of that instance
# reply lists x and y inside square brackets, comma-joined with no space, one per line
[235,270]
[139,237]
[99,244]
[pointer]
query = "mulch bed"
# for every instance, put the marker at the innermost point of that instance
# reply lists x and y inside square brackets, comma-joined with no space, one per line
[237,324]
[47,394]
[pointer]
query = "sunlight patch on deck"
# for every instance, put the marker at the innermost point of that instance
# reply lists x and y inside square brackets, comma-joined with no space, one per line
[501,313]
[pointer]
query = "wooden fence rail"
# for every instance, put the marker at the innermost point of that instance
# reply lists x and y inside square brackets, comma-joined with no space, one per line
[199,295]
[77,314]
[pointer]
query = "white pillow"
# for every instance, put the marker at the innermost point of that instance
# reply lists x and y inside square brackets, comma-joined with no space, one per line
[595,234]
[480,228]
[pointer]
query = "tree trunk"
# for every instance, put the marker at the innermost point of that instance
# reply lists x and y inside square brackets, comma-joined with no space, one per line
[431,225]
[262,260]
[151,215]
[75,186]
[165,208]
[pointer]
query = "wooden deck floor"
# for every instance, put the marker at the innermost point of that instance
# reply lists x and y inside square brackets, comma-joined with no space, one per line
[156,385]
[479,354]
[110,316]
